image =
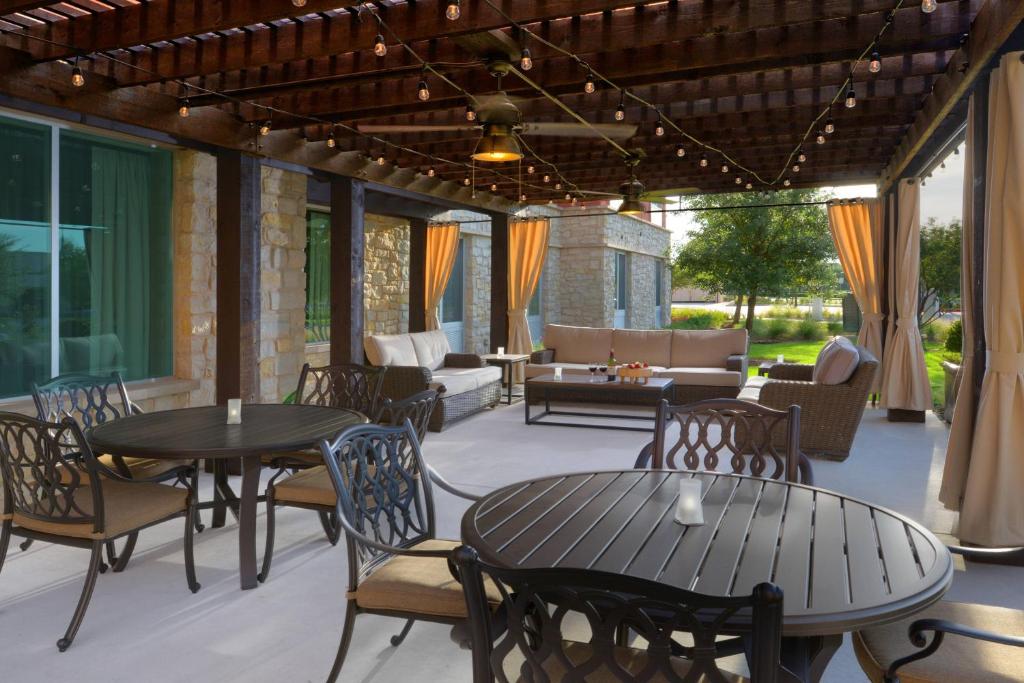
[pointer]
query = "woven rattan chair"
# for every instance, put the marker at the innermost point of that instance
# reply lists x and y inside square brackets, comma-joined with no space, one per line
[745,435]
[57,491]
[986,643]
[91,400]
[396,565]
[312,489]
[540,607]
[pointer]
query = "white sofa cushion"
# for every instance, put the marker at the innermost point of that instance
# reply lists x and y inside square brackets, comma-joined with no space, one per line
[578,344]
[431,348]
[537,369]
[836,362]
[706,348]
[651,346]
[461,380]
[703,377]
[390,349]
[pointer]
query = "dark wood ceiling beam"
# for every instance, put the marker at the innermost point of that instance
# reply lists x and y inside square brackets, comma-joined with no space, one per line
[14,6]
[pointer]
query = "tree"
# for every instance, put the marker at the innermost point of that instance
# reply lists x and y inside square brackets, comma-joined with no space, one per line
[940,269]
[744,248]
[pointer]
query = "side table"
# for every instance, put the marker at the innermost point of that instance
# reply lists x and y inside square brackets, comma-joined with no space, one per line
[508,362]
[764,368]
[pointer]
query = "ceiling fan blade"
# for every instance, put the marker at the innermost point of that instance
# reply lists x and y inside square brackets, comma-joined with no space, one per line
[371,128]
[615,131]
[595,193]
[666,194]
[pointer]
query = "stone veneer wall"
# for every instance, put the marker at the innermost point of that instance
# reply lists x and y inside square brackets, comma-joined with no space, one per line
[386,287]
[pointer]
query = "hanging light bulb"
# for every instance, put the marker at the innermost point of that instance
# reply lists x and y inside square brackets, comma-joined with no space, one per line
[547,178]
[494,187]
[568,196]
[299,3]
[470,112]
[659,128]
[558,186]
[739,180]
[526,60]
[796,168]
[680,150]
[422,91]
[786,182]
[431,172]
[183,109]
[380,159]
[725,168]
[530,169]
[590,85]
[928,6]
[77,77]
[875,65]
[379,47]
[332,141]
[522,197]
[830,126]
[466,181]
[265,128]
[574,201]
[820,137]
[453,11]
[851,97]
[749,185]
[703,160]
[620,112]
[800,156]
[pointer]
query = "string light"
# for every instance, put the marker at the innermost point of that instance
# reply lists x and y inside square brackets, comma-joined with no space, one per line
[77,77]
[547,178]
[522,197]
[466,181]
[659,128]
[749,185]
[590,85]
[680,150]
[568,196]
[332,141]
[620,112]
[431,172]
[820,137]
[526,60]
[739,180]
[786,182]
[494,187]
[558,186]
[453,11]
[703,160]
[183,109]
[380,159]
[470,112]
[422,91]
[299,3]
[574,201]
[796,168]
[830,126]
[851,96]
[928,6]
[530,169]
[380,48]
[725,168]
[800,155]
[265,128]
[875,65]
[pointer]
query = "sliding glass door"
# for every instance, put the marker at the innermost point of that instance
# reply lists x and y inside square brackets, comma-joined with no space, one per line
[621,289]
[453,303]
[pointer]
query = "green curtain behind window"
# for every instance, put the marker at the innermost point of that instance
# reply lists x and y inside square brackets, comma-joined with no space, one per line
[318,276]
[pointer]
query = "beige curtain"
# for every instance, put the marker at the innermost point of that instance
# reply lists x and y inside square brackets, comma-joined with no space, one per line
[992,511]
[442,245]
[527,250]
[961,432]
[905,379]
[857,231]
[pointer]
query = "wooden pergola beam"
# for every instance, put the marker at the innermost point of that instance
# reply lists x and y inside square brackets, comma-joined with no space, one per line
[992,27]
[15,6]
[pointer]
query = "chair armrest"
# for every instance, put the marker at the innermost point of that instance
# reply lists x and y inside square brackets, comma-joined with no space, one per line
[987,554]
[444,485]
[940,627]
[401,381]
[180,473]
[780,394]
[793,371]
[542,357]
[643,460]
[463,360]
[737,363]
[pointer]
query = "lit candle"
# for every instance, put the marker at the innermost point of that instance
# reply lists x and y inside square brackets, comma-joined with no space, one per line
[780,358]
[501,350]
[558,374]
[234,411]
[689,510]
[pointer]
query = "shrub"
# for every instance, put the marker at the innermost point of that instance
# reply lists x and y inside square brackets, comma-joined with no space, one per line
[786,312]
[955,337]
[698,318]
[834,327]
[778,329]
[810,330]
[832,316]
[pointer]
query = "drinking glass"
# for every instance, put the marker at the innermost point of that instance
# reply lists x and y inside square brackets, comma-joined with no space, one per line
[593,371]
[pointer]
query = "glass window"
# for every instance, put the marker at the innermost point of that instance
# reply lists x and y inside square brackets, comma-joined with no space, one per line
[657,283]
[451,302]
[318,276]
[620,281]
[25,258]
[534,307]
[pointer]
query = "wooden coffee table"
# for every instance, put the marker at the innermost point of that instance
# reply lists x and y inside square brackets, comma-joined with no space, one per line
[594,390]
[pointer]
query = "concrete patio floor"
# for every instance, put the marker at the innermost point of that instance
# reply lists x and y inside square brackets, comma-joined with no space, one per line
[144,624]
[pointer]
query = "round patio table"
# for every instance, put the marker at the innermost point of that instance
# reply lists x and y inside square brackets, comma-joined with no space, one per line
[843,564]
[203,433]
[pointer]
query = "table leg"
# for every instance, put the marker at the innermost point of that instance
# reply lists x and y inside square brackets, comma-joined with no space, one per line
[223,497]
[247,522]
[805,659]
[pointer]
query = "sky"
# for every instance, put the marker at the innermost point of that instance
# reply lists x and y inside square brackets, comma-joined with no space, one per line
[941,197]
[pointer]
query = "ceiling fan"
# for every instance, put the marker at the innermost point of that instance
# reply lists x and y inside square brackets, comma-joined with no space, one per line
[632,192]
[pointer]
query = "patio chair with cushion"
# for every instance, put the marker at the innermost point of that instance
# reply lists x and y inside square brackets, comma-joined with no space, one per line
[831,399]
[530,637]
[311,488]
[57,491]
[397,566]
[985,643]
[745,437]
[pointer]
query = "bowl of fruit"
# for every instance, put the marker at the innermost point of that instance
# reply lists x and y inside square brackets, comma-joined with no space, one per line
[636,372]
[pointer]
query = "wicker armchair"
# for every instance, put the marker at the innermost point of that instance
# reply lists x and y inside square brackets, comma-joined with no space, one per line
[57,491]
[829,413]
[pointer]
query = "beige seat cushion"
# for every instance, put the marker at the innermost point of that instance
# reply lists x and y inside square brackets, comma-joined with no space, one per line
[421,585]
[631,660]
[578,344]
[307,487]
[307,458]
[702,377]
[390,349]
[958,658]
[460,380]
[144,468]
[125,507]
[538,369]
[431,348]
[706,348]
[651,346]
[836,362]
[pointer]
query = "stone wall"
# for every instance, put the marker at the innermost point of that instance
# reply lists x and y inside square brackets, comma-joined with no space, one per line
[386,288]
[477,293]
[282,282]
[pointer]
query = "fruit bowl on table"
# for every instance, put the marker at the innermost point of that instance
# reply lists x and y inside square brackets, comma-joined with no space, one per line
[636,373]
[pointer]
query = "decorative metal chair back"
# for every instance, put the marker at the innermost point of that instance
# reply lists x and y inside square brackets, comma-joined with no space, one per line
[89,400]
[416,408]
[383,490]
[747,437]
[40,476]
[355,387]
[534,644]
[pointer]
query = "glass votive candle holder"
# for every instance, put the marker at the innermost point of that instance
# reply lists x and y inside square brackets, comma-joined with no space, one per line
[780,358]
[558,374]
[234,411]
[689,507]
[501,350]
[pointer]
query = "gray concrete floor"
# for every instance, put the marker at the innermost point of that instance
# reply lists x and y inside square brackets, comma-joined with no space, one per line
[144,624]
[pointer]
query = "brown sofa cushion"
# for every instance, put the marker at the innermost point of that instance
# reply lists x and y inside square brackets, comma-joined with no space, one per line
[836,362]
[706,348]
[125,507]
[578,344]
[958,659]
[651,346]
[421,585]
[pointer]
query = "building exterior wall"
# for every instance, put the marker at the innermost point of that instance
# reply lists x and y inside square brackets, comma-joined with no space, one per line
[386,288]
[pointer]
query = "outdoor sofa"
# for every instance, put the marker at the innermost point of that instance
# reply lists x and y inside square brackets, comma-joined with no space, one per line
[423,360]
[702,363]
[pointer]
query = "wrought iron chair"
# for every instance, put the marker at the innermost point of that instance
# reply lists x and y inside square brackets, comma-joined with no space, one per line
[311,488]
[745,433]
[988,642]
[92,400]
[57,491]
[536,605]
[396,565]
